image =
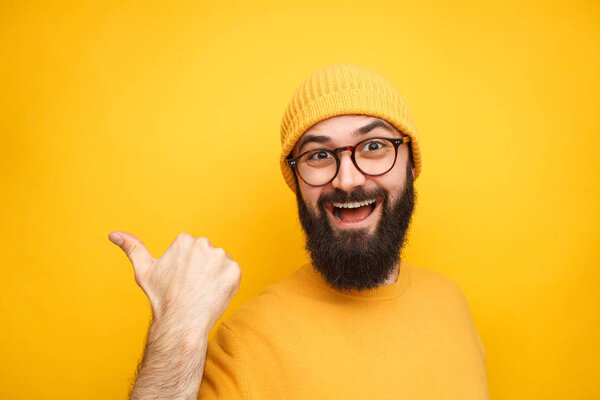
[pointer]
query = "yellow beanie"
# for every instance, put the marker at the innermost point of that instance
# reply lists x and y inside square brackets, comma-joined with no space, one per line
[341,89]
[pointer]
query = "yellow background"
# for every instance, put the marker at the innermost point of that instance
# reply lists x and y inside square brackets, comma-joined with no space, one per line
[163,117]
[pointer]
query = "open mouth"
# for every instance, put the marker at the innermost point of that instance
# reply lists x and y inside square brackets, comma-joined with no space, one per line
[352,213]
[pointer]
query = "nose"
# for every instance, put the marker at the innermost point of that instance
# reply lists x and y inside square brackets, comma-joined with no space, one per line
[348,176]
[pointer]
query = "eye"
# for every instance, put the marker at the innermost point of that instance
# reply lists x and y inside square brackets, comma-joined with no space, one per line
[319,155]
[373,145]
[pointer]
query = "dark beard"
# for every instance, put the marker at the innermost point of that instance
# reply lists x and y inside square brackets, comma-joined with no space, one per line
[354,259]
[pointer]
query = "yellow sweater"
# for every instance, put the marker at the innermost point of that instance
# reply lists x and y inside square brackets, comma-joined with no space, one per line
[300,339]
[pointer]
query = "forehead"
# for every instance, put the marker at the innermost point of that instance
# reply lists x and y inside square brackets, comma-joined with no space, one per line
[342,128]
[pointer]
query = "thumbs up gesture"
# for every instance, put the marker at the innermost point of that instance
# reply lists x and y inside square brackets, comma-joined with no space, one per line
[190,285]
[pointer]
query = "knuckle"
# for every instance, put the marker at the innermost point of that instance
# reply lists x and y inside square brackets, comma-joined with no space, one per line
[183,237]
[128,248]
[202,242]
[221,253]
[236,267]
[235,272]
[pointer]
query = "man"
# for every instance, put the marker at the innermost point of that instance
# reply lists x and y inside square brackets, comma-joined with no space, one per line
[357,322]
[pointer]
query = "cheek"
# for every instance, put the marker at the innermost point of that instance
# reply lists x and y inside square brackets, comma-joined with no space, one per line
[393,182]
[310,196]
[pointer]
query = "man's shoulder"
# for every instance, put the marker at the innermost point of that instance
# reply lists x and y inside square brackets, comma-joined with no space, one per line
[437,292]
[431,281]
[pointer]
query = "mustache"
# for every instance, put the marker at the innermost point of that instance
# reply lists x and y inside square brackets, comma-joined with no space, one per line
[356,195]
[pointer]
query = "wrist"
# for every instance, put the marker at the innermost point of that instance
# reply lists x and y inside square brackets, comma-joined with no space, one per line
[186,334]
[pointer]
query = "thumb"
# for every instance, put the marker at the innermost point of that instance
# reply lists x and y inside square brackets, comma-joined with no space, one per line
[140,257]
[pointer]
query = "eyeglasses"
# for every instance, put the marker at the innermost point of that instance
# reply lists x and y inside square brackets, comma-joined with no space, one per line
[373,156]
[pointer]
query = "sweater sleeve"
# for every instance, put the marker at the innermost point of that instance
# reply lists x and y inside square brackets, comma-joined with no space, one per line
[224,374]
[465,305]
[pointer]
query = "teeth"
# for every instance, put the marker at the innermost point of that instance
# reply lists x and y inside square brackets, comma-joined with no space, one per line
[354,205]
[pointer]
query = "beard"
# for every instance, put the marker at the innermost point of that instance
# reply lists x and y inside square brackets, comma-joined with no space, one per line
[353,259]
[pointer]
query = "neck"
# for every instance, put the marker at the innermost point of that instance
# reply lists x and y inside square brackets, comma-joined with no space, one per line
[393,277]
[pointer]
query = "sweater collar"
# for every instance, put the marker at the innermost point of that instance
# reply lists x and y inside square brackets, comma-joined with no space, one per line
[391,291]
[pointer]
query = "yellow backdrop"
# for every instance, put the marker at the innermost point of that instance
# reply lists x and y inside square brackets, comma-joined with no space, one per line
[159,118]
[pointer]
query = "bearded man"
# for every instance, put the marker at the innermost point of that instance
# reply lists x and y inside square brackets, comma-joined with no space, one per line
[358,321]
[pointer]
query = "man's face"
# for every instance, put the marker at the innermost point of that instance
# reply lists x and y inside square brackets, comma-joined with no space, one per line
[355,248]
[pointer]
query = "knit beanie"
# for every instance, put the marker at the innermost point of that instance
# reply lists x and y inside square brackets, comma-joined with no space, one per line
[342,89]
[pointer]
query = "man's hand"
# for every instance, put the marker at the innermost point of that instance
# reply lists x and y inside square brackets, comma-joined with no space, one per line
[191,283]
[189,288]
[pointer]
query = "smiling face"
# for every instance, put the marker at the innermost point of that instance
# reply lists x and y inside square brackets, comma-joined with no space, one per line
[345,130]
[356,224]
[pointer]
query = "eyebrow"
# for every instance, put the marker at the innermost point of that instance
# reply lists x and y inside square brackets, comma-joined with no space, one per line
[363,130]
